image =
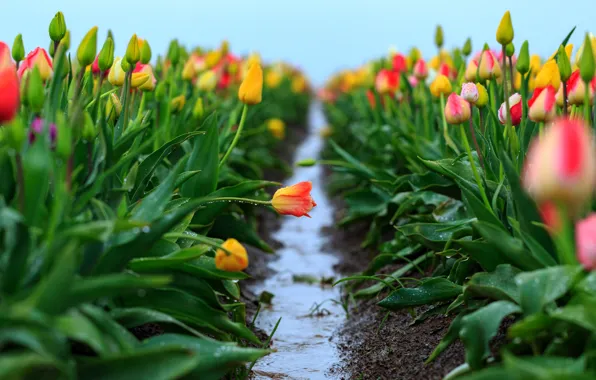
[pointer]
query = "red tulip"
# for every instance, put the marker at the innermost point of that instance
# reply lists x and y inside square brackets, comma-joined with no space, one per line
[37,58]
[399,63]
[95,68]
[9,94]
[585,241]
[515,105]
[543,104]
[294,200]
[372,101]
[387,81]
[5,58]
[550,216]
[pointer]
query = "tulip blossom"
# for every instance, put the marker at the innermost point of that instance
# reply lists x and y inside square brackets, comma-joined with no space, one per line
[5,59]
[457,109]
[560,166]
[273,79]
[387,82]
[148,85]
[440,86]
[277,128]
[117,74]
[9,94]
[399,63]
[543,104]
[234,261]
[446,70]
[585,241]
[420,69]
[294,200]
[471,70]
[469,92]
[251,89]
[550,216]
[549,75]
[515,105]
[37,127]
[576,89]
[37,58]
[489,67]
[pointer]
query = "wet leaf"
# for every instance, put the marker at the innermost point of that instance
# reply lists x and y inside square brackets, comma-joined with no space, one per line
[497,285]
[430,291]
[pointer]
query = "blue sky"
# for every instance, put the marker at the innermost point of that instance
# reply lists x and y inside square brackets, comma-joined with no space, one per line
[320,36]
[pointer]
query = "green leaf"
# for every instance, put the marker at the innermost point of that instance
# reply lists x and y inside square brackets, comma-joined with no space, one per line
[539,288]
[430,291]
[185,176]
[479,210]
[138,316]
[77,326]
[492,373]
[39,336]
[114,334]
[435,235]
[17,254]
[204,157]
[483,252]
[544,367]
[497,285]
[479,327]
[22,365]
[37,165]
[125,142]
[530,328]
[583,315]
[230,226]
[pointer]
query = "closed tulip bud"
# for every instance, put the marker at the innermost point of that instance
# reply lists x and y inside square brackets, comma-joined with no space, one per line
[560,166]
[469,92]
[125,66]
[37,128]
[148,85]
[273,79]
[471,71]
[66,40]
[89,131]
[415,54]
[188,72]
[523,61]
[439,37]
[234,261]
[585,241]
[105,60]
[37,58]
[482,96]
[57,27]
[543,104]
[564,64]
[145,52]
[160,91]
[177,104]
[207,81]
[198,111]
[113,107]
[35,93]
[138,79]
[117,74]
[510,50]
[251,89]
[505,30]
[133,53]
[88,48]
[15,133]
[18,49]
[174,52]
[298,84]
[277,128]
[535,63]
[576,89]
[63,137]
[467,49]
[489,66]
[549,75]
[457,109]
[387,82]
[586,63]
[515,106]
[9,94]
[420,69]
[294,200]
[440,86]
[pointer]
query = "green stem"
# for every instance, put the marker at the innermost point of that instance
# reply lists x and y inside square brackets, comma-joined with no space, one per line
[564,98]
[474,169]
[448,139]
[21,182]
[587,104]
[564,239]
[238,199]
[236,137]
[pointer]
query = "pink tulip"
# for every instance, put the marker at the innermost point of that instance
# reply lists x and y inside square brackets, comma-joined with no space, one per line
[585,241]
[457,110]
[37,127]
[5,59]
[469,92]
[420,69]
[543,104]
[37,58]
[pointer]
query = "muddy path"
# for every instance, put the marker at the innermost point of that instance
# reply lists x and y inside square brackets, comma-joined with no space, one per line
[316,338]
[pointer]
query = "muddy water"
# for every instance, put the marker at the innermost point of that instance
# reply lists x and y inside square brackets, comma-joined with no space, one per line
[308,313]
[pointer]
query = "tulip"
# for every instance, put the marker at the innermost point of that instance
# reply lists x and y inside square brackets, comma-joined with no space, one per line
[133,52]
[515,105]
[564,64]
[523,62]
[138,79]
[5,60]
[294,200]
[439,36]
[198,110]
[144,69]
[440,86]
[113,107]
[224,81]
[37,127]
[117,74]
[235,261]
[273,79]
[177,104]
[482,96]
[469,92]
[413,81]
[550,216]
[145,52]
[251,89]
[585,241]
[543,104]
[505,30]
[37,58]
[560,166]
[387,82]
[105,58]
[446,70]
[420,69]
[399,63]
[277,128]
[576,89]
[34,93]
[57,27]
[207,81]
[586,63]
[549,75]
[457,109]
[88,48]
[471,70]
[535,64]
[489,66]
[188,72]
[467,49]
[9,94]
[18,49]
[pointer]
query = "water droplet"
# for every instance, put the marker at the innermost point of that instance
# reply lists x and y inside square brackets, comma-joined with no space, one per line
[146,229]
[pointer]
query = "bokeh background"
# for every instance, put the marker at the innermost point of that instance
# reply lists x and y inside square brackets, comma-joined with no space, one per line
[320,36]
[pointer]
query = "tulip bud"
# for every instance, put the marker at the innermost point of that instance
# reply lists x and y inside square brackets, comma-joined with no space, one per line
[485,47]
[113,107]
[9,94]
[133,53]
[106,55]
[174,52]
[18,49]
[57,27]
[505,30]
[145,53]
[225,47]
[177,104]
[89,131]
[35,93]
[198,111]
[439,37]
[457,110]
[117,74]
[440,85]
[585,241]
[277,128]
[523,61]
[564,64]
[66,40]
[420,69]
[273,79]
[469,92]
[560,166]
[471,71]
[515,106]
[207,81]
[88,48]
[387,82]
[482,96]
[188,72]
[15,133]
[586,63]
[467,49]
[510,50]
[160,91]
[415,54]
[251,89]
[489,67]
[139,79]
[63,137]
[576,89]
[549,75]
[543,104]
[125,66]
[235,261]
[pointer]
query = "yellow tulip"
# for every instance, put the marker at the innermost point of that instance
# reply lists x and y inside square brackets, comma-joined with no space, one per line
[251,89]
[273,79]
[440,85]
[549,75]
[277,128]
[236,261]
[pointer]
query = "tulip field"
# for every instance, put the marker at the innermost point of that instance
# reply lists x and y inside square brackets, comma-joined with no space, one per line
[137,195]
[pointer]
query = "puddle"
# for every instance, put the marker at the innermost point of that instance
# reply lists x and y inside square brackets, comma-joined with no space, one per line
[302,340]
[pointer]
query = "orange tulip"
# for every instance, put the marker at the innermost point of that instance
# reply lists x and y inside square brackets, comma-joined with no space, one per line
[236,261]
[294,200]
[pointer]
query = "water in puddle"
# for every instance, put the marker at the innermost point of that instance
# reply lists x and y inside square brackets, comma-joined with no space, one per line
[304,350]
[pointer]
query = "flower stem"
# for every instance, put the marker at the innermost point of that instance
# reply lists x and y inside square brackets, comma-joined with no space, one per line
[564,98]
[564,239]
[475,141]
[448,139]
[21,181]
[474,169]
[587,104]
[236,137]
[238,199]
